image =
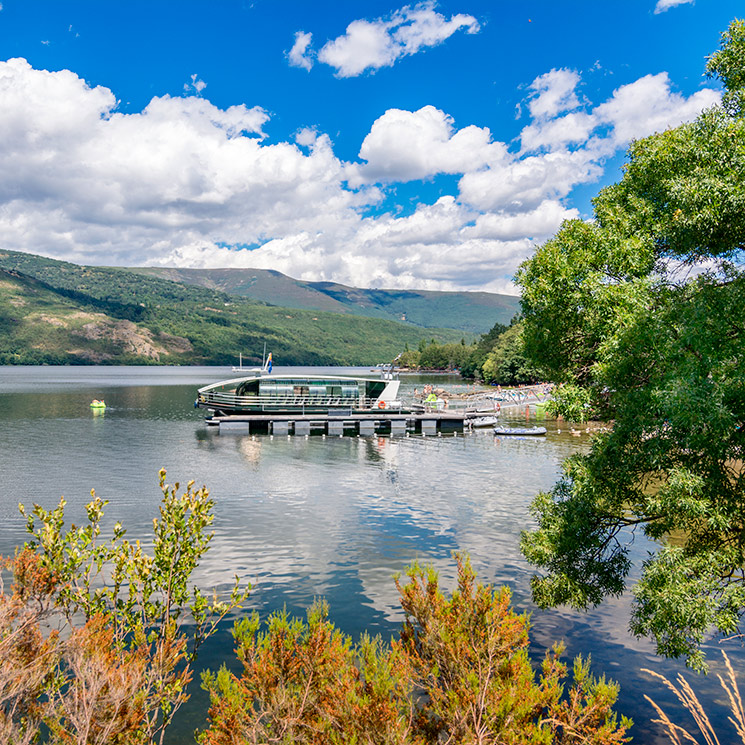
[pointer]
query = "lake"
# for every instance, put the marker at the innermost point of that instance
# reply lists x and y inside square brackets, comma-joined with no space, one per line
[304,517]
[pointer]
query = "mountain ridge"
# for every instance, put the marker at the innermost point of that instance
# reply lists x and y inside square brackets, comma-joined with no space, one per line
[471,312]
[56,312]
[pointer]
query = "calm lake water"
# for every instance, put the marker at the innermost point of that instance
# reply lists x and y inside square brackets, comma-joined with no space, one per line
[305,517]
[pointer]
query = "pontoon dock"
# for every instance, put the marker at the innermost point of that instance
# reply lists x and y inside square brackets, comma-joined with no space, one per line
[340,423]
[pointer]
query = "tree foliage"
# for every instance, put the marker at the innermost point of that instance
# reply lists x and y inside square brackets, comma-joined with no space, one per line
[643,309]
[459,673]
[506,363]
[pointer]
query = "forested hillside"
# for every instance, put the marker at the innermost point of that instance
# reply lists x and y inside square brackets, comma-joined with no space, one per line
[471,312]
[60,313]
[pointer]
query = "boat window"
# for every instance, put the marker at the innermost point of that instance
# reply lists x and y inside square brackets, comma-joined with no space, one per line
[276,388]
[247,388]
[375,388]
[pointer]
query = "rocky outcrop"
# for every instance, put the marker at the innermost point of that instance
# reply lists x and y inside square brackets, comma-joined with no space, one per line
[129,338]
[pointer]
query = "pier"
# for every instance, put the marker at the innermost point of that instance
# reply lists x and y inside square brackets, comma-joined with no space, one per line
[343,423]
[295,412]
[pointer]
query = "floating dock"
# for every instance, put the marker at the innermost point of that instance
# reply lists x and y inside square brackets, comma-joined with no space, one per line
[346,423]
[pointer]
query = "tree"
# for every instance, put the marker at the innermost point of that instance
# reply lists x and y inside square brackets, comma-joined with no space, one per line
[127,625]
[643,308]
[506,363]
[471,367]
[443,356]
[459,674]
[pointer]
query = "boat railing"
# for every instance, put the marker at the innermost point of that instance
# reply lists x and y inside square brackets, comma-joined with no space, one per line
[260,403]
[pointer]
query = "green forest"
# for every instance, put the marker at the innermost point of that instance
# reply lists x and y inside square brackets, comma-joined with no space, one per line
[55,312]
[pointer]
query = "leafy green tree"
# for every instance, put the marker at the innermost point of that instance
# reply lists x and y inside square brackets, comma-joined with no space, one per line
[506,363]
[436,356]
[643,308]
[571,402]
[471,368]
[409,358]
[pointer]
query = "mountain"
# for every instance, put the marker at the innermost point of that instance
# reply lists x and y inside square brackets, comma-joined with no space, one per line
[470,312]
[57,312]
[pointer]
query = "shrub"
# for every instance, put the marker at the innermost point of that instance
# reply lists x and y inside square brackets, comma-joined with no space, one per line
[460,673]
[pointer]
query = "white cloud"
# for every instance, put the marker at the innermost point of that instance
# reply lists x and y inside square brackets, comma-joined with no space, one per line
[196,85]
[186,183]
[552,133]
[79,180]
[663,5]
[407,145]
[648,105]
[523,183]
[554,93]
[300,54]
[537,224]
[634,110]
[370,45]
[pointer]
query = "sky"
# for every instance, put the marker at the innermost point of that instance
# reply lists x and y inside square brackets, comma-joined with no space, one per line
[428,145]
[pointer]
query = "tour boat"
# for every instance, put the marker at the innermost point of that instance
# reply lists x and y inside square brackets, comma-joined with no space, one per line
[293,393]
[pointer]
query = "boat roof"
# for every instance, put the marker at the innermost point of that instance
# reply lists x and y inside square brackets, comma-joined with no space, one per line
[290,376]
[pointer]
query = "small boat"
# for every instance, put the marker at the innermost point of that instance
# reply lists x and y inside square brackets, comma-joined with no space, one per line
[486,420]
[96,404]
[504,430]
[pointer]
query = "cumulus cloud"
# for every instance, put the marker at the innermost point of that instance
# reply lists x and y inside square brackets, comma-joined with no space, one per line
[663,5]
[523,183]
[407,145]
[553,133]
[301,55]
[553,93]
[370,45]
[82,181]
[186,183]
[649,105]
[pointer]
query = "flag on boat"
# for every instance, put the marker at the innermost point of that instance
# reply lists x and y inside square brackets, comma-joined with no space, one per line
[269,362]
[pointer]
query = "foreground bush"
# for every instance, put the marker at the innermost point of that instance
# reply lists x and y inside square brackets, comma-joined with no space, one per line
[94,641]
[459,673]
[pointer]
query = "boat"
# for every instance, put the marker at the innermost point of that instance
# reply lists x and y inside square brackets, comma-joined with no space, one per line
[505,430]
[485,420]
[264,392]
[96,404]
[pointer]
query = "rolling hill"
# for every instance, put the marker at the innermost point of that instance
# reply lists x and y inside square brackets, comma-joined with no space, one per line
[57,312]
[470,312]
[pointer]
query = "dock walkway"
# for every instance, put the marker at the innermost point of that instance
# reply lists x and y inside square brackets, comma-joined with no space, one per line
[392,422]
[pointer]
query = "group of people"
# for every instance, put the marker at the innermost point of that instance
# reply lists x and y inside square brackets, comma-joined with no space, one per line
[429,397]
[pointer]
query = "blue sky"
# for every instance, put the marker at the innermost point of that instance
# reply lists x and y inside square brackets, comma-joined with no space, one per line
[375,143]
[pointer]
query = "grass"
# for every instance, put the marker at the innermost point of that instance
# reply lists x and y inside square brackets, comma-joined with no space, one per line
[691,703]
